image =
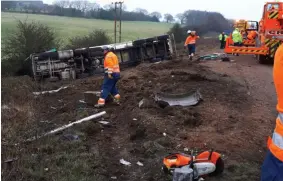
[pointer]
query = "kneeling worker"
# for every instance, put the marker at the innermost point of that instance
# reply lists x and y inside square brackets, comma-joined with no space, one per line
[111,77]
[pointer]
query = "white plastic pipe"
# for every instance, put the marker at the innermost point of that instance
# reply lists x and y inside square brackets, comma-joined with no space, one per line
[71,124]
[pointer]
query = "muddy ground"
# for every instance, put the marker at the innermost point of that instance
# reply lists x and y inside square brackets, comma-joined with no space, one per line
[235,117]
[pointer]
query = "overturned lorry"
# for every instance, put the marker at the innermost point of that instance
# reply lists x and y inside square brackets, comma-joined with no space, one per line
[88,61]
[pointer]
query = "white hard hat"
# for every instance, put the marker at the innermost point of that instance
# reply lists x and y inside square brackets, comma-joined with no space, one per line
[189,31]
[105,47]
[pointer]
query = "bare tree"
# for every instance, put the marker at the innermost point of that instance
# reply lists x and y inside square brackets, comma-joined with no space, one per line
[78,5]
[108,6]
[59,3]
[85,5]
[94,6]
[71,4]
[168,17]
[181,17]
[156,14]
[140,10]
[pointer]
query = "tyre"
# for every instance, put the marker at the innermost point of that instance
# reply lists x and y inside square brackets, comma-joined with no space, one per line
[261,59]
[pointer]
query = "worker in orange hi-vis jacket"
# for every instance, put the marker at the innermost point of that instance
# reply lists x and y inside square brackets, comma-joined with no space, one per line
[111,77]
[252,35]
[272,168]
[190,43]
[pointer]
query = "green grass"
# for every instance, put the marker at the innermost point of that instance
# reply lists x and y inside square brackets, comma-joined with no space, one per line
[67,27]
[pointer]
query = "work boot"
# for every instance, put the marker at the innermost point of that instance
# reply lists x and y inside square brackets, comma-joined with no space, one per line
[191,56]
[117,99]
[100,103]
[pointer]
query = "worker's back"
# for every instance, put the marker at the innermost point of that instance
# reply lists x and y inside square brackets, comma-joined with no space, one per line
[236,36]
[252,35]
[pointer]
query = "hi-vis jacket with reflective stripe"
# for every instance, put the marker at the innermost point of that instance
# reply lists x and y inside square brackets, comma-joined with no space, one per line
[275,144]
[221,36]
[111,63]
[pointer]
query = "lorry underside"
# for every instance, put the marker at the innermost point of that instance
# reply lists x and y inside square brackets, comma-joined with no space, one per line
[87,61]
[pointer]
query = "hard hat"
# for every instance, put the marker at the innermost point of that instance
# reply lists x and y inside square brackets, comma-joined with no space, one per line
[105,47]
[189,31]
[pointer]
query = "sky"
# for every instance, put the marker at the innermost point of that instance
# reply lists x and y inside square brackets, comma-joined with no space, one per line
[231,9]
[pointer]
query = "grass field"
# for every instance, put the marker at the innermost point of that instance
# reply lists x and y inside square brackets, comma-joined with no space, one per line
[67,27]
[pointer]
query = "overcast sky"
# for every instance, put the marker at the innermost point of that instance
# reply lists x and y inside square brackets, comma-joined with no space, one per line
[235,9]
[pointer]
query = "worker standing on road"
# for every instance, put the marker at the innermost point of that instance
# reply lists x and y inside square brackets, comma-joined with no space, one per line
[272,168]
[111,77]
[237,38]
[190,43]
[222,38]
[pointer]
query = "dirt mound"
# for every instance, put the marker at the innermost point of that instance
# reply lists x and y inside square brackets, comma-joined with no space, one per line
[134,134]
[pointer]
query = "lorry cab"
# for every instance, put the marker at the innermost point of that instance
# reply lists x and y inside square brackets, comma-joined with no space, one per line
[271,24]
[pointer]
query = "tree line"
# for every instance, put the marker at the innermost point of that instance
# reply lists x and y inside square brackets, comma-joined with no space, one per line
[201,21]
[82,8]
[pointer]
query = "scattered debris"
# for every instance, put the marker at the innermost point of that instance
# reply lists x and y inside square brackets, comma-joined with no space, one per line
[187,99]
[124,162]
[225,59]
[69,125]
[91,97]
[164,134]
[10,160]
[53,107]
[186,149]
[135,119]
[103,122]
[46,169]
[82,101]
[214,56]
[141,103]
[5,107]
[114,177]
[140,164]
[50,92]
[71,137]
[146,103]
[157,62]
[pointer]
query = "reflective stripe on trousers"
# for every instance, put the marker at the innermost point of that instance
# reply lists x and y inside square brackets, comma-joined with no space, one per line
[276,145]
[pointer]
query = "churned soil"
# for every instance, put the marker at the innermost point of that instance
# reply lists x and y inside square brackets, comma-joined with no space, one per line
[234,118]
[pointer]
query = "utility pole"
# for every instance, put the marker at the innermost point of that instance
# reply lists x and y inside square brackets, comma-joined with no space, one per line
[117,16]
